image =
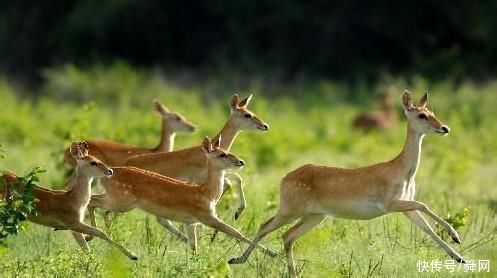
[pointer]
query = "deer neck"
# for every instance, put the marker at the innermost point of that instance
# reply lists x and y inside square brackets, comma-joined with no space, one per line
[214,185]
[408,160]
[228,134]
[81,188]
[166,143]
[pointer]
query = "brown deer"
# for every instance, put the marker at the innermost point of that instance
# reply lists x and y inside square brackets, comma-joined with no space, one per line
[64,210]
[168,198]
[191,164]
[115,154]
[380,120]
[311,192]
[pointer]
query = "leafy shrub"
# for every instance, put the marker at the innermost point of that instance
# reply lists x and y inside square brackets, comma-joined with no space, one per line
[19,202]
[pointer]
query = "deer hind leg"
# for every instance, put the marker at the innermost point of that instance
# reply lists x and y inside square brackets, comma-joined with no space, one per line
[419,220]
[89,230]
[171,228]
[267,227]
[403,206]
[304,225]
[216,223]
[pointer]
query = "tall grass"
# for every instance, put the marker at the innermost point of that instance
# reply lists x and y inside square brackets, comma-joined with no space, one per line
[310,123]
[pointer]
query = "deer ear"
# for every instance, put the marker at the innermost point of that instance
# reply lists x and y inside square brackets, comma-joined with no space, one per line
[235,100]
[159,107]
[78,151]
[84,148]
[244,103]
[217,144]
[206,145]
[407,101]
[74,150]
[423,101]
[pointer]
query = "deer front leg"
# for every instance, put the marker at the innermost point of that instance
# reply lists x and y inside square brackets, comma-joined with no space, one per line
[419,220]
[241,193]
[191,234]
[89,230]
[401,205]
[81,240]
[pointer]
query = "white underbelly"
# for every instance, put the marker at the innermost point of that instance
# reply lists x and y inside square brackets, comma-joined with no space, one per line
[357,209]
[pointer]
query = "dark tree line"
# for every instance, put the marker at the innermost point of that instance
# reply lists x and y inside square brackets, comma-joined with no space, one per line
[337,39]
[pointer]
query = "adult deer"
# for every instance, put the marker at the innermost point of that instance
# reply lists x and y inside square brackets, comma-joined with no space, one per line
[64,210]
[115,154]
[311,192]
[168,198]
[191,164]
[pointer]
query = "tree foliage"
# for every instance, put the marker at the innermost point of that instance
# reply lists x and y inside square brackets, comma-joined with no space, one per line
[331,38]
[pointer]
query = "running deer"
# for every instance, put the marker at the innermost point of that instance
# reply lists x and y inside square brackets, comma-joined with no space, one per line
[311,192]
[168,198]
[380,120]
[115,154]
[64,210]
[191,164]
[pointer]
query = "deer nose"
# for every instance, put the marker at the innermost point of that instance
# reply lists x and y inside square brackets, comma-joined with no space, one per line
[445,129]
[109,173]
[241,163]
[266,126]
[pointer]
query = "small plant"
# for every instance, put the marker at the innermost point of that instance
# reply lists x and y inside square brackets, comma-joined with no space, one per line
[17,202]
[458,220]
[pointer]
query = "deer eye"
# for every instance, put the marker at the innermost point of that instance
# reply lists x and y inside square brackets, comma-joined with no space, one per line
[222,155]
[248,116]
[178,118]
[93,163]
[423,116]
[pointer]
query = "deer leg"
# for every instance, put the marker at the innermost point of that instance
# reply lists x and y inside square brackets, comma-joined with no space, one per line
[171,228]
[241,193]
[191,234]
[419,220]
[107,219]
[86,229]
[267,227]
[81,240]
[214,222]
[91,212]
[304,225]
[415,205]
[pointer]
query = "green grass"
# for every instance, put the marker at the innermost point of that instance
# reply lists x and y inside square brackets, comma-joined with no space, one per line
[309,123]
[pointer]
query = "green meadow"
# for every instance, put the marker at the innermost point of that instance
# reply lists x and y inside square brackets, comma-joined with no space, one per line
[310,122]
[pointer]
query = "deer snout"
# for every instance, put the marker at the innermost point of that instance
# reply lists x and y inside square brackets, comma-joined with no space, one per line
[240,163]
[445,129]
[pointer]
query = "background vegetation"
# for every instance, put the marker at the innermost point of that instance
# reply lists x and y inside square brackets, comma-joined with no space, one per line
[282,39]
[457,172]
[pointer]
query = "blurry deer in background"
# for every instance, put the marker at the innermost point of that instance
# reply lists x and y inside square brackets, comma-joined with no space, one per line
[311,192]
[64,210]
[115,154]
[380,120]
[168,198]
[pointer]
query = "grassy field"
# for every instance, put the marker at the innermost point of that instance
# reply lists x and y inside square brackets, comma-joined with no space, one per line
[309,123]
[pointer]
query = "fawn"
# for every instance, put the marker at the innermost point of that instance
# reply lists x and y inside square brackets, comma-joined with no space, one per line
[168,198]
[64,210]
[115,154]
[311,192]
